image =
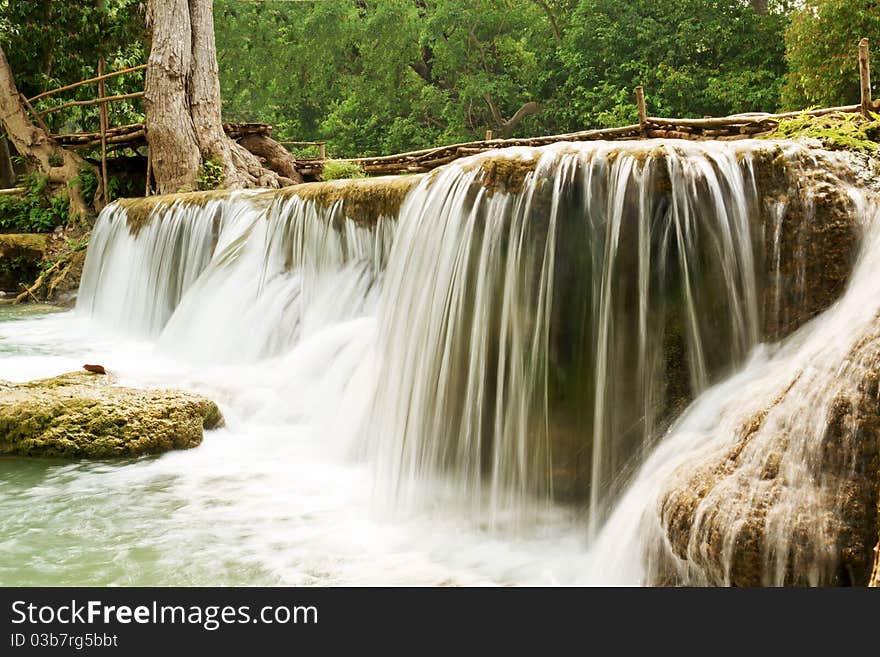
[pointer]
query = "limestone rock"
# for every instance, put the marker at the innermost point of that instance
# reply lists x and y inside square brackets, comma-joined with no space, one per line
[791,502]
[82,415]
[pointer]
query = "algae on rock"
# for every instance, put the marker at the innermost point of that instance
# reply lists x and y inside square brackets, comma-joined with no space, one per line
[82,415]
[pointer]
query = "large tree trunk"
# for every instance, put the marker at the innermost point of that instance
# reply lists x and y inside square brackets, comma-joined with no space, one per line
[39,150]
[184,126]
[171,135]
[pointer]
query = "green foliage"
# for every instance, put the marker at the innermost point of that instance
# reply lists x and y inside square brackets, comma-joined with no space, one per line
[838,131]
[87,181]
[51,44]
[822,51]
[387,75]
[37,211]
[693,57]
[337,169]
[75,245]
[11,267]
[210,174]
[382,76]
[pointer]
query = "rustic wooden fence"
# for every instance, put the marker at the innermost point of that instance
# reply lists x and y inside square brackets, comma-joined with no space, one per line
[738,126]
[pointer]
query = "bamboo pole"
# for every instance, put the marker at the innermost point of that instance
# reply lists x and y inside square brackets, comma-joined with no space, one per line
[104,195]
[112,140]
[34,113]
[79,103]
[89,81]
[89,136]
[865,77]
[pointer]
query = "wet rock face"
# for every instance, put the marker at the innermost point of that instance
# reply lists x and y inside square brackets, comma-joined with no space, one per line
[82,415]
[784,503]
[811,236]
[20,257]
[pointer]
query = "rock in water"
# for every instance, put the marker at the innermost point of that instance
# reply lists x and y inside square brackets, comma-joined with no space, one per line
[95,369]
[81,415]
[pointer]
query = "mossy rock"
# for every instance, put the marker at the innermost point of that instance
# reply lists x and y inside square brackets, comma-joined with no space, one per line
[363,200]
[83,415]
[844,131]
[20,256]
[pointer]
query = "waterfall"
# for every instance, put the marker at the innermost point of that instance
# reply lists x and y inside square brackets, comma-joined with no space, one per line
[767,478]
[532,321]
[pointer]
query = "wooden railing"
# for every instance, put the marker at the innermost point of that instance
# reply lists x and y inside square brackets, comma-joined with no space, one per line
[101,99]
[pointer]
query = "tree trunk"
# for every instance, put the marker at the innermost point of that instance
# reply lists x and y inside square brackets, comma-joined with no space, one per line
[273,155]
[171,135]
[41,153]
[7,170]
[183,109]
[760,6]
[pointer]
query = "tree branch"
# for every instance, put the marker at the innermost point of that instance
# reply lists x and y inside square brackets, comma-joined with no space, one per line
[526,110]
[554,26]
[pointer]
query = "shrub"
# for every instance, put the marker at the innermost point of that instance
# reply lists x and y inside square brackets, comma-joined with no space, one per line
[338,169]
[36,211]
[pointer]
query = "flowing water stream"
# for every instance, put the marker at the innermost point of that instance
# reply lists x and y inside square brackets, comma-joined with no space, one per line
[467,386]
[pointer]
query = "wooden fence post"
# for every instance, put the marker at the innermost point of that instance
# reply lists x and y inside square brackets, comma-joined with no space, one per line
[865,76]
[105,197]
[643,112]
[322,151]
[488,135]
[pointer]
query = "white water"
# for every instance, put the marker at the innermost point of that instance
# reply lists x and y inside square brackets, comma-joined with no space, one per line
[376,431]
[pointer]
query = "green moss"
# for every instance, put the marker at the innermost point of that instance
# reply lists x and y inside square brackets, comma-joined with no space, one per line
[82,415]
[837,131]
[139,211]
[503,174]
[363,200]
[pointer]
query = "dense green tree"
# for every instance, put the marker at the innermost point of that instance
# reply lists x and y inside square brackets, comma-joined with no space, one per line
[694,57]
[822,51]
[385,75]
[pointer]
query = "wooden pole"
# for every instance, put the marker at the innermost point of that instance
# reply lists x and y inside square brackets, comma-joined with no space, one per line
[488,135]
[322,150]
[104,195]
[89,81]
[865,76]
[95,101]
[34,113]
[643,112]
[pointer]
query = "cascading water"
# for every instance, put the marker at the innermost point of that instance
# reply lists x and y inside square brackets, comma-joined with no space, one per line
[505,338]
[770,478]
[538,359]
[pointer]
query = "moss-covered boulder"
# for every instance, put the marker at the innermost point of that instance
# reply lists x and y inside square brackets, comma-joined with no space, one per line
[83,415]
[20,256]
